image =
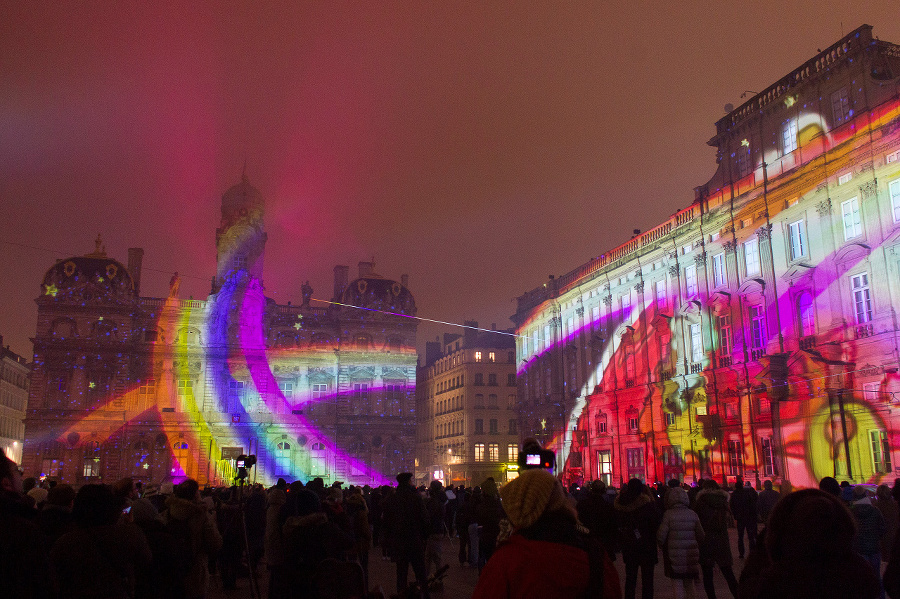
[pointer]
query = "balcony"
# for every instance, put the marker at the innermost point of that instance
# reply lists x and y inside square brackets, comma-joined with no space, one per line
[756,354]
[665,375]
[865,330]
[629,383]
[696,368]
[808,342]
[724,361]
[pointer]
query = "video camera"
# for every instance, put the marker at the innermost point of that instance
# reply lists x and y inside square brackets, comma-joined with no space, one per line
[533,456]
[244,463]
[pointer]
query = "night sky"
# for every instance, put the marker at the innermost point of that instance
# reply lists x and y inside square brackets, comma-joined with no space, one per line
[477,149]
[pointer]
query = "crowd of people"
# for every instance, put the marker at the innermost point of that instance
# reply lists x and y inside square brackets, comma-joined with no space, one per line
[530,538]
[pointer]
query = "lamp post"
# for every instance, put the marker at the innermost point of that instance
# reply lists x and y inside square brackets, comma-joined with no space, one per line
[449,461]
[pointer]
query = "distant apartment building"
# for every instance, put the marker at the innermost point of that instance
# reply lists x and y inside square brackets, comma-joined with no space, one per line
[754,332]
[466,401]
[14,383]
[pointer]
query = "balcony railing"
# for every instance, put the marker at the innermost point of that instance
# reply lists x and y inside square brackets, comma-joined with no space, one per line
[808,342]
[696,368]
[756,354]
[865,330]
[724,361]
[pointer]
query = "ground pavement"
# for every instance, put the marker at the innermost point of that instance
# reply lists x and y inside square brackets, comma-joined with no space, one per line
[461,580]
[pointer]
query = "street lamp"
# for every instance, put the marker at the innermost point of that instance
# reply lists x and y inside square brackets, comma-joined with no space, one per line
[449,461]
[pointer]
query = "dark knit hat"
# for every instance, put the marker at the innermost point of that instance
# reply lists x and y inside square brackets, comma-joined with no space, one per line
[530,495]
[404,477]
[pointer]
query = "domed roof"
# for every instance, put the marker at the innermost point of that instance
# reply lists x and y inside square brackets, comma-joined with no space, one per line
[377,293]
[107,277]
[242,196]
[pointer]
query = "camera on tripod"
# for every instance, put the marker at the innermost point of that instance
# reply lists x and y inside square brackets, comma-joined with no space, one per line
[244,463]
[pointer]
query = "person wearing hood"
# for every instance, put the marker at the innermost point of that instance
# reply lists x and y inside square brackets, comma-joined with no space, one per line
[547,556]
[196,536]
[680,535]
[711,506]
[871,528]
[809,545]
[637,520]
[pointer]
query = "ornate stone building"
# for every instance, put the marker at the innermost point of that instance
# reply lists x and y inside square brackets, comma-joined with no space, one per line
[14,371]
[754,332]
[163,388]
[466,401]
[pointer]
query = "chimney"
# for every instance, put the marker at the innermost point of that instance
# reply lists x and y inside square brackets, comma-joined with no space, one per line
[341,276]
[365,269]
[135,258]
[404,280]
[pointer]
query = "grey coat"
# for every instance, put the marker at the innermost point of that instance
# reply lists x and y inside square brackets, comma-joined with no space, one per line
[680,534]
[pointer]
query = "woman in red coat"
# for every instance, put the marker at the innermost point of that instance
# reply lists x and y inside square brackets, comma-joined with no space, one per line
[546,557]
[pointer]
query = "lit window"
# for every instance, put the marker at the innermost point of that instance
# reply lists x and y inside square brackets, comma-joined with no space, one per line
[185,388]
[491,356]
[894,189]
[840,106]
[852,219]
[494,452]
[479,452]
[512,452]
[751,256]
[881,452]
[735,458]
[789,136]
[798,244]
[604,465]
[696,343]
[862,302]
[806,315]
[690,280]
[478,356]
[719,277]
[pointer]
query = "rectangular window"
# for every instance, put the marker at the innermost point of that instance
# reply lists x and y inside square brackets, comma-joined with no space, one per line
[751,256]
[512,453]
[635,460]
[671,455]
[894,190]
[513,426]
[595,317]
[845,178]
[479,379]
[492,357]
[604,465]
[319,390]
[633,423]
[871,391]
[696,343]
[670,419]
[735,458]
[626,306]
[359,401]
[881,452]
[492,379]
[494,452]
[852,219]
[725,339]
[479,426]
[147,388]
[789,136]
[798,244]
[862,302]
[768,456]
[660,295]
[511,380]
[840,106]
[690,280]
[478,356]
[479,400]
[479,452]
[547,336]
[287,389]
[492,401]
[493,428]
[757,327]
[91,467]
[720,279]
[510,402]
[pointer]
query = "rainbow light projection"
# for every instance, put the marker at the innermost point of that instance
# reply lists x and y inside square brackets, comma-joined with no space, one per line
[671,357]
[311,391]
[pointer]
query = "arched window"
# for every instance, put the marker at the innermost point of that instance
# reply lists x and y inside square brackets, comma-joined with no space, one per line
[806,315]
[283,458]
[181,457]
[317,460]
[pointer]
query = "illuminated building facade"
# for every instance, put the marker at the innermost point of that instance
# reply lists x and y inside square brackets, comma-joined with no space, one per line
[14,372]
[163,388]
[466,399]
[755,331]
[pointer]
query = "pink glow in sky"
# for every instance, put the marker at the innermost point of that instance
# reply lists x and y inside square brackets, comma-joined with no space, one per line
[476,148]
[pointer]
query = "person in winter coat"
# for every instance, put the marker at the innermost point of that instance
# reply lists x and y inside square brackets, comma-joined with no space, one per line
[358,514]
[809,543]
[743,507]
[103,557]
[546,557]
[599,517]
[888,507]
[637,520]
[680,535]
[870,529]
[406,528]
[488,514]
[186,517]
[436,504]
[23,547]
[768,497]
[711,506]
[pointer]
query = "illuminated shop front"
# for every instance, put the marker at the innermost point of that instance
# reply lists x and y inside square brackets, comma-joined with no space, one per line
[163,388]
[753,333]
